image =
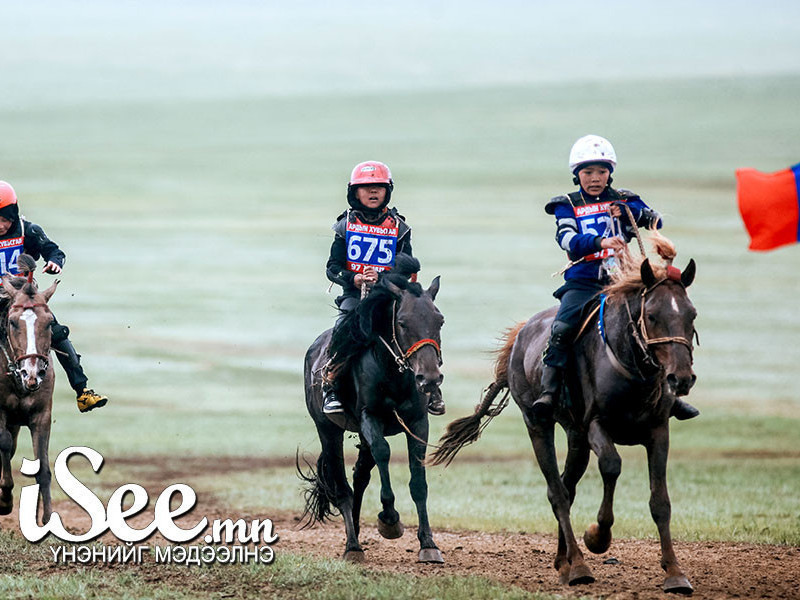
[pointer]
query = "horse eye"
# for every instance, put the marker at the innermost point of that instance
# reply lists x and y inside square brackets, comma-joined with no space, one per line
[651,318]
[14,324]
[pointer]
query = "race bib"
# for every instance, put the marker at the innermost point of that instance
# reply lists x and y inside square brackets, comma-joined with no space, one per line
[9,253]
[371,245]
[595,220]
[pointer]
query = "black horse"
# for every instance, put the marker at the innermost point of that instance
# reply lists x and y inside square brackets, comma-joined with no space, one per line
[629,366]
[389,354]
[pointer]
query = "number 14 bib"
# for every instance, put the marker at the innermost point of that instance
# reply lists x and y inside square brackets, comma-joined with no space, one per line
[371,245]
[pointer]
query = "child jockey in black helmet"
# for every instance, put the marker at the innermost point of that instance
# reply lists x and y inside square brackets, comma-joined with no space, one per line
[368,237]
[581,231]
[17,235]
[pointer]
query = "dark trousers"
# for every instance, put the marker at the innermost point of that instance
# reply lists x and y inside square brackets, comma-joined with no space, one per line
[574,295]
[68,357]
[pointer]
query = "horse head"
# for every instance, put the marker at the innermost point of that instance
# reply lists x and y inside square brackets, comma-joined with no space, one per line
[28,333]
[417,331]
[666,323]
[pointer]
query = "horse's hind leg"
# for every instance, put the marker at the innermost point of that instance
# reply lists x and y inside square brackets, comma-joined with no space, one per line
[361,476]
[40,439]
[660,509]
[598,536]
[418,486]
[542,438]
[389,525]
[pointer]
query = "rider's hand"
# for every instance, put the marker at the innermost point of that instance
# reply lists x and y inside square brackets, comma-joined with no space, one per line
[614,243]
[52,267]
[615,210]
[370,275]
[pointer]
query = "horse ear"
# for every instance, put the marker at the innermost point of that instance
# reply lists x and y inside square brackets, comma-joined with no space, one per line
[10,289]
[48,293]
[648,278]
[395,290]
[434,288]
[687,277]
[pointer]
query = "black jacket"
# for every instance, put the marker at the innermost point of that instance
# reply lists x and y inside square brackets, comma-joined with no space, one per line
[36,242]
[336,268]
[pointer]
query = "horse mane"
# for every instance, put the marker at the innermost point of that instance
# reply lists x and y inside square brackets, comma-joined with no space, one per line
[360,328]
[628,278]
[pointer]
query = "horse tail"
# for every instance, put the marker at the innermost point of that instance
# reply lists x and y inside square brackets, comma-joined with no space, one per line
[467,430]
[318,495]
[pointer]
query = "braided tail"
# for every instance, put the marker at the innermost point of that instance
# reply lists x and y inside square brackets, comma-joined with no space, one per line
[466,430]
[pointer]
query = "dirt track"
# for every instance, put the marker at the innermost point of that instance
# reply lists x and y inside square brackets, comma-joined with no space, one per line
[716,570]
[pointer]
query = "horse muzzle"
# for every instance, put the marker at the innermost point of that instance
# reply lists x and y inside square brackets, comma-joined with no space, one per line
[429,383]
[681,385]
[32,372]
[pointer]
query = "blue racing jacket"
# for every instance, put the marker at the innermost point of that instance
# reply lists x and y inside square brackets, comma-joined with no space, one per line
[582,221]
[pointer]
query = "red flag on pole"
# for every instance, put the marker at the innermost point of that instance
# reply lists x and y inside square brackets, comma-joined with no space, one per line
[770,206]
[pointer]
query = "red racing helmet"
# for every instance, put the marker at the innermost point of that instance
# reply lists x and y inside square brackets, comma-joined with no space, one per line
[369,172]
[7,194]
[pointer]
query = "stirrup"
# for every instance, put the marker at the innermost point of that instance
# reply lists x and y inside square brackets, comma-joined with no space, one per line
[88,400]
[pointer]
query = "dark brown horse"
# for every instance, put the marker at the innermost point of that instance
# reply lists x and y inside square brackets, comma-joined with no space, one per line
[390,351]
[628,367]
[26,389]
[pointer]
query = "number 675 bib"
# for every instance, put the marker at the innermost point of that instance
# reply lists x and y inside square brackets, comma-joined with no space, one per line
[371,245]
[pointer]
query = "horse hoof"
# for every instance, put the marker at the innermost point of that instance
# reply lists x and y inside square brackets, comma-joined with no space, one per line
[678,584]
[597,540]
[391,532]
[354,556]
[430,555]
[580,574]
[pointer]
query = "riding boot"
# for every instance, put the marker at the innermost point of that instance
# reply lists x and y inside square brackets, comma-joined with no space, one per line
[70,360]
[682,410]
[551,387]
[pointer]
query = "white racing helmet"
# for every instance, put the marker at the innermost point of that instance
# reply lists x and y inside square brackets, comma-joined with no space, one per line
[591,149]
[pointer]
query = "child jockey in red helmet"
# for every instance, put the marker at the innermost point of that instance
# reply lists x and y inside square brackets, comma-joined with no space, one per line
[590,246]
[356,258]
[18,235]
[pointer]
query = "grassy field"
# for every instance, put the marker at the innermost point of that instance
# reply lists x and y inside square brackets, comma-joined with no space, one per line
[193,191]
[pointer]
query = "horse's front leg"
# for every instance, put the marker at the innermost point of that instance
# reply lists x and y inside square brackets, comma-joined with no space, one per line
[574,468]
[361,477]
[40,439]
[418,485]
[389,525]
[598,536]
[660,509]
[8,444]
[571,568]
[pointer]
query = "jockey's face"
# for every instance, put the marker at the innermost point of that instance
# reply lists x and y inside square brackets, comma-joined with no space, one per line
[5,225]
[594,179]
[371,196]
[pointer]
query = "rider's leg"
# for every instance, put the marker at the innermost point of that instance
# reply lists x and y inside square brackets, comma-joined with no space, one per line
[330,400]
[554,361]
[87,398]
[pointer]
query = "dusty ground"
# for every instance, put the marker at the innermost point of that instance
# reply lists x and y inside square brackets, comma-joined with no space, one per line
[716,570]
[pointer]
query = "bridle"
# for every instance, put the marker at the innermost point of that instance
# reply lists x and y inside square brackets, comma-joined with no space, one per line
[12,369]
[402,357]
[639,333]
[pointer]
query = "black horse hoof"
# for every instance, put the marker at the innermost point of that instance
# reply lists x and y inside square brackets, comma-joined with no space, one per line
[678,584]
[430,555]
[391,532]
[597,540]
[354,556]
[580,574]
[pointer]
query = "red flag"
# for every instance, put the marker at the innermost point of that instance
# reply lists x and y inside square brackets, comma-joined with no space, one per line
[770,206]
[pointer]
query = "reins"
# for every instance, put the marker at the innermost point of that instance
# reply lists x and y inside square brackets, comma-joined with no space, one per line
[400,357]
